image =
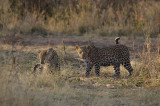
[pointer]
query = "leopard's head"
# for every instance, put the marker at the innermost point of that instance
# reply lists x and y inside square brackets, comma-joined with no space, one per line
[83,52]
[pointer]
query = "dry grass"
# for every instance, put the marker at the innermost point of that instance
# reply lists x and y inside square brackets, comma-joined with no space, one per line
[23,88]
[105,18]
[19,86]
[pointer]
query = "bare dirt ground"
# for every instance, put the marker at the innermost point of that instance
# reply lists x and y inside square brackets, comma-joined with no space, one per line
[71,87]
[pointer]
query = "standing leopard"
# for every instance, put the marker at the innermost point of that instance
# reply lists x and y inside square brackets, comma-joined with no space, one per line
[114,55]
[50,58]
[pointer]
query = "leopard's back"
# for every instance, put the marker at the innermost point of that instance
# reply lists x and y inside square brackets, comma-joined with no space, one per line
[110,55]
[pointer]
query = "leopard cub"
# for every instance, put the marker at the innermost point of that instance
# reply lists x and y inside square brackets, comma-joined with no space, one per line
[48,58]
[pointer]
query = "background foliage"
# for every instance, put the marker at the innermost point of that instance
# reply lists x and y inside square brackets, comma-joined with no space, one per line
[101,17]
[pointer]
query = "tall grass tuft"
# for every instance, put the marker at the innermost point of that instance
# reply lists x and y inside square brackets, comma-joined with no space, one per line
[122,18]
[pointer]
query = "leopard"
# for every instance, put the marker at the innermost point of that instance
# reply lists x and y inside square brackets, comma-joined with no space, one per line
[48,58]
[114,55]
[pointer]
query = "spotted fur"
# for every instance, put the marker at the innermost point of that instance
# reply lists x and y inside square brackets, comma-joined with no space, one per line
[108,56]
[50,58]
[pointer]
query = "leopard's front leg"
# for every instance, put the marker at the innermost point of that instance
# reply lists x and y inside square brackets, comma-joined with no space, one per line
[88,68]
[97,69]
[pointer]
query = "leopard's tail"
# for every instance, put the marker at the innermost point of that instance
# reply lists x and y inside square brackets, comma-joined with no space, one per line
[116,40]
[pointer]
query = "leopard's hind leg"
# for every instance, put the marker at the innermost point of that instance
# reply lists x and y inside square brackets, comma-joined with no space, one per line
[127,66]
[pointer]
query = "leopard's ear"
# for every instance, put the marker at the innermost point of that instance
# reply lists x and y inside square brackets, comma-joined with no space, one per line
[77,47]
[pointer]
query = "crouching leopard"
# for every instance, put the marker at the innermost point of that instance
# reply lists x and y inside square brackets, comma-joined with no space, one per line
[48,58]
[114,55]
